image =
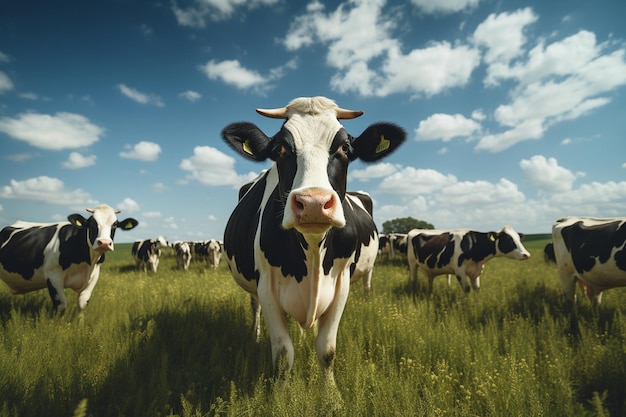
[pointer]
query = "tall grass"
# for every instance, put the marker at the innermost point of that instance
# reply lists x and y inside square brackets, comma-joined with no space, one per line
[179,343]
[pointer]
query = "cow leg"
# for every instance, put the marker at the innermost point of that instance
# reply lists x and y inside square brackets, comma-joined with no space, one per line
[85,294]
[277,327]
[256,315]
[328,325]
[568,284]
[367,283]
[57,294]
[431,280]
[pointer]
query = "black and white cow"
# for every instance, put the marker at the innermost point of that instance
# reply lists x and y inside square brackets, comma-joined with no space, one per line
[589,251]
[62,255]
[214,252]
[294,234]
[147,252]
[462,253]
[182,250]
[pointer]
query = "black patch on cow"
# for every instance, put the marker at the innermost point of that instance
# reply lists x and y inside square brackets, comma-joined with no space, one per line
[23,253]
[435,251]
[284,248]
[506,243]
[477,246]
[73,246]
[241,229]
[588,243]
[359,230]
[366,201]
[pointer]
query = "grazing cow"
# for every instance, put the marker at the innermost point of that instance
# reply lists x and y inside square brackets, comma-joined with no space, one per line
[183,254]
[460,252]
[294,235]
[391,244]
[591,251]
[147,252]
[367,252]
[214,249]
[62,255]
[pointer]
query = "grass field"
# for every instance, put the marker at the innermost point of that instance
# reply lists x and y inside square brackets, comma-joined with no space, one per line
[179,343]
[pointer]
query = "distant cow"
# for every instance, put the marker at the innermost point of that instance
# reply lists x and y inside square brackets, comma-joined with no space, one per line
[391,244]
[591,251]
[147,252]
[62,255]
[460,252]
[214,252]
[182,251]
[294,235]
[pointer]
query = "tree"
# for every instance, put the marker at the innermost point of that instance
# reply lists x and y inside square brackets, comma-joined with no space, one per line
[404,225]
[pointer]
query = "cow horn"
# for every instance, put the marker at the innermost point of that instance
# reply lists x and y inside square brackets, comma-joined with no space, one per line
[348,114]
[280,113]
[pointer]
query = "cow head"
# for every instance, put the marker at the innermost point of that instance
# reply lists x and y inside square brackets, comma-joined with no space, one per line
[509,243]
[101,226]
[312,151]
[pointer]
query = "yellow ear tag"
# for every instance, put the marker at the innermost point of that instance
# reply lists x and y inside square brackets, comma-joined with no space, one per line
[246,148]
[383,145]
[492,237]
[78,223]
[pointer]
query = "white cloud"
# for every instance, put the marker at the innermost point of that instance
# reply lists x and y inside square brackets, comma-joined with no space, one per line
[77,160]
[445,127]
[159,187]
[192,96]
[144,151]
[45,189]
[546,174]
[503,36]
[445,6]
[370,61]
[5,83]
[128,205]
[371,171]
[61,131]
[560,81]
[209,166]
[231,72]
[5,58]
[196,15]
[140,97]
[152,214]
[412,181]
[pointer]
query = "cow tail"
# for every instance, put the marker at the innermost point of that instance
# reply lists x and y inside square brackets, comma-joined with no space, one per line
[548,253]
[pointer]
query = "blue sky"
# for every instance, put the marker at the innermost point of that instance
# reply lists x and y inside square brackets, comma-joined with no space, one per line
[515,110]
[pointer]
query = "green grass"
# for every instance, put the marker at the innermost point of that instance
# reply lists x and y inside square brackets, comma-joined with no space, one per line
[179,343]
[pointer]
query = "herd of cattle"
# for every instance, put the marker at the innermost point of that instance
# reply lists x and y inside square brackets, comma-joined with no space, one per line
[297,238]
[147,252]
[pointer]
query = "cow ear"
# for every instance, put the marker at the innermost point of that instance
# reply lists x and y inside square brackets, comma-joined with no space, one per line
[377,141]
[248,140]
[77,220]
[127,224]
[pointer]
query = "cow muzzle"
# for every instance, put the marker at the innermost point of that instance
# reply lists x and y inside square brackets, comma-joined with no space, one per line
[313,211]
[104,244]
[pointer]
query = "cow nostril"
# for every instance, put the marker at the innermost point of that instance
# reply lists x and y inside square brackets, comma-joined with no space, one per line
[330,203]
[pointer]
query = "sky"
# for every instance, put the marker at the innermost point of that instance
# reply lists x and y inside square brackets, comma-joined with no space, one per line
[515,111]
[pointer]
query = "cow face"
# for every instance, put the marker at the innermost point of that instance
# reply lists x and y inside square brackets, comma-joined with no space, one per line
[510,244]
[101,226]
[312,152]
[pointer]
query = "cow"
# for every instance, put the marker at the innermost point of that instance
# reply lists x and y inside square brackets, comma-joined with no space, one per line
[590,251]
[391,244]
[183,254]
[294,235]
[462,253]
[214,249]
[147,252]
[61,255]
